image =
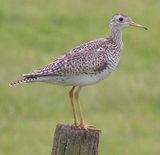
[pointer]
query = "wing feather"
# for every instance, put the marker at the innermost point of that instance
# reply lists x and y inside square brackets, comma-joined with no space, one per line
[87,58]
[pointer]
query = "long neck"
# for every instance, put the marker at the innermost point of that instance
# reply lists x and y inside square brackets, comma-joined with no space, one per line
[116,35]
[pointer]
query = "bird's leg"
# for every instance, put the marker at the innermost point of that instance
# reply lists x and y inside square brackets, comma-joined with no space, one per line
[79,106]
[71,95]
[82,124]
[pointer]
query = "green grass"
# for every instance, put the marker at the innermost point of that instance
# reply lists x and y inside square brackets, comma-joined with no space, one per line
[126,106]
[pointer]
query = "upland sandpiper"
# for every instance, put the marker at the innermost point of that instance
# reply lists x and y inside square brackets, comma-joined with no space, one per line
[85,64]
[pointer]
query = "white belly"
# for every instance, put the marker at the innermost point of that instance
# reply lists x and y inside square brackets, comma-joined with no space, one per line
[77,80]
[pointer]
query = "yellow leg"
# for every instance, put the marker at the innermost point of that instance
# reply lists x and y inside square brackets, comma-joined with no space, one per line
[79,106]
[71,95]
[82,124]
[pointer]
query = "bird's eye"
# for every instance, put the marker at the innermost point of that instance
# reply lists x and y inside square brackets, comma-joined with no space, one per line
[120,19]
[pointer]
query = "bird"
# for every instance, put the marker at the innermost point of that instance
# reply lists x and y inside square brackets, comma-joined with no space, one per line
[86,64]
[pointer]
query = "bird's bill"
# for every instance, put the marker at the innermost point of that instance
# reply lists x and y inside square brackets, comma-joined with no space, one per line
[138,25]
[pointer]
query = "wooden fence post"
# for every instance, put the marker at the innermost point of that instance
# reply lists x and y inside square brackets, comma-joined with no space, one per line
[69,140]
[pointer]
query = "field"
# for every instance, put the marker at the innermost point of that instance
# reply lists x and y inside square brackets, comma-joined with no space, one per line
[126,106]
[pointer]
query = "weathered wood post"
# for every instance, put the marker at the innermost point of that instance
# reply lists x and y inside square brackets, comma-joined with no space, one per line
[69,140]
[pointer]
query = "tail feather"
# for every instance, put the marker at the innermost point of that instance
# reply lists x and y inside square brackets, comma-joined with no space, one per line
[22,81]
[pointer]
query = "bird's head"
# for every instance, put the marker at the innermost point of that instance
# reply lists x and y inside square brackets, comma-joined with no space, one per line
[120,21]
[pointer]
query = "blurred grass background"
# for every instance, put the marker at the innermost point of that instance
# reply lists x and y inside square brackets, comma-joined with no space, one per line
[126,106]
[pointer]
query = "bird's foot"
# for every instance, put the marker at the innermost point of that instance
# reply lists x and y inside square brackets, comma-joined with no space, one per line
[75,125]
[85,127]
[88,127]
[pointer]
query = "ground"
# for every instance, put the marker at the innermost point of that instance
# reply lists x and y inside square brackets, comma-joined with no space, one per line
[126,107]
